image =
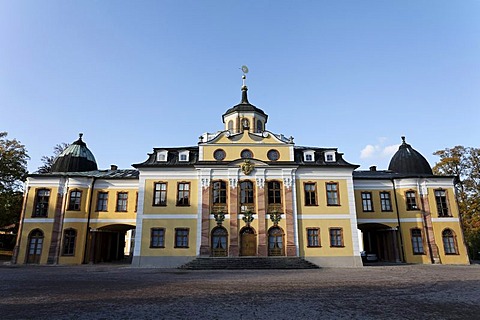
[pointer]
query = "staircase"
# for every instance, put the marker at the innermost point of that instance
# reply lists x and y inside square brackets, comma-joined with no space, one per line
[249,263]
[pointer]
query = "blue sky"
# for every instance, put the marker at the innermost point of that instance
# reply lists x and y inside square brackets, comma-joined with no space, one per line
[133,75]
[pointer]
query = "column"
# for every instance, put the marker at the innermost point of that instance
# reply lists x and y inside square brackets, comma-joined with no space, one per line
[261,212]
[290,232]
[204,243]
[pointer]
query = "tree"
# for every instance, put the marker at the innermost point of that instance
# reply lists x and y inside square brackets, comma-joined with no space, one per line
[49,160]
[464,163]
[13,171]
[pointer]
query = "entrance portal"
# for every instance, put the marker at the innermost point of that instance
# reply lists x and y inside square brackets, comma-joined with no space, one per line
[219,242]
[248,242]
[35,245]
[275,242]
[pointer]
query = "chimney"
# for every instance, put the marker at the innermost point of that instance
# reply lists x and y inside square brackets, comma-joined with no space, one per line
[113,167]
[373,168]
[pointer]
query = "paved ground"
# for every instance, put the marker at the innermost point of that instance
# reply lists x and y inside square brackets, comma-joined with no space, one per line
[121,292]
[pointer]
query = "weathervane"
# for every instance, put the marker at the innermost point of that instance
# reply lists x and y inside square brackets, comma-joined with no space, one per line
[245,71]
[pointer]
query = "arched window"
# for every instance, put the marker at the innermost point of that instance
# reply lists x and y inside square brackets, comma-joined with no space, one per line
[219,192]
[219,242]
[449,241]
[41,203]
[75,200]
[275,242]
[34,246]
[69,239]
[230,126]
[417,241]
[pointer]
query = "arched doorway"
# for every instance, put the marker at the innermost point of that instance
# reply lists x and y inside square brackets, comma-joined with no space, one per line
[111,243]
[248,242]
[275,242]
[219,242]
[35,245]
[380,242]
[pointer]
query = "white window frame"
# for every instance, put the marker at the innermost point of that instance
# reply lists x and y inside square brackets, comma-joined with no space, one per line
[162,155]
[308,153]
[330,153]
[185,153]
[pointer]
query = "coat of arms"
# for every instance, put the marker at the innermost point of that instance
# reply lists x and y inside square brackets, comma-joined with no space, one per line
[247,167]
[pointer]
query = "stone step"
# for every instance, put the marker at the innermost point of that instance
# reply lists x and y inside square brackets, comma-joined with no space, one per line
[209,263]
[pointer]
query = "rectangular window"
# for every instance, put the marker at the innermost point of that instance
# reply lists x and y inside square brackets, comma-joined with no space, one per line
[69,237]
[41,203]
[219,192]
[310,194]
[332,194]
[385,201]
[336,237]
[157,238]
[75,200]
[183,194]
[367,204]
[160,194]
[417,241]
[411,200]
[274,192]
[441,199]
[102,201]
[313,237]
[181,237]
[122,198]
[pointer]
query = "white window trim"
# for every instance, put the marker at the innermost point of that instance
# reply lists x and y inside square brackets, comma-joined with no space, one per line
[330,153]
[308,153]
[161,153]
[185,153]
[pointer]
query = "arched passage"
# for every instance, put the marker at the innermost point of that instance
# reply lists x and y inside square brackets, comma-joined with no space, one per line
[380,242]
[110,243]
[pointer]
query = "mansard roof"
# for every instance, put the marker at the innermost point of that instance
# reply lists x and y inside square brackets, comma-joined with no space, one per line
[100,174]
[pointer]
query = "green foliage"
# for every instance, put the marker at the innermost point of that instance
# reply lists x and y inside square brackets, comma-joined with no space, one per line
[464,162]
[49,160]
[13,171]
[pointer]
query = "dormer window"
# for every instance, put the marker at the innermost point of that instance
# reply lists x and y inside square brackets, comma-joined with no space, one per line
[308,156]
[162,155]
[330,156]
[183,155]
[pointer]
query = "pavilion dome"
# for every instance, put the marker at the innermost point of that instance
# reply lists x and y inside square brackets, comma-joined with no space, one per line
[75,158]
[409,161]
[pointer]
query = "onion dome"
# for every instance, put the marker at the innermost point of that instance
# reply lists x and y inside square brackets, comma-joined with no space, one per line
[244,106]
[75,158]
[409,161]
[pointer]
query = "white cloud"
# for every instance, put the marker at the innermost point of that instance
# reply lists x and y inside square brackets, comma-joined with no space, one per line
[379,150]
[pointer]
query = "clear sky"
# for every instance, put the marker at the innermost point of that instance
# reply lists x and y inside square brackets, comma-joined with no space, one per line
[133,75]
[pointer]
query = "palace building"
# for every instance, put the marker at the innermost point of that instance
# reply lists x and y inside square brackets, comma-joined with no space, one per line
[242,191]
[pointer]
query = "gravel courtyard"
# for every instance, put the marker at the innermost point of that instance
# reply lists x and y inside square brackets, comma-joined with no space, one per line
[122,292]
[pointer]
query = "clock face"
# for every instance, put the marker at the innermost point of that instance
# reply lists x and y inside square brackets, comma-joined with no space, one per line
[219,154]
[273,155]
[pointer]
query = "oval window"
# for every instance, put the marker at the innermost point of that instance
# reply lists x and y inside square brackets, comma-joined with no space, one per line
[246,154]
[273,155]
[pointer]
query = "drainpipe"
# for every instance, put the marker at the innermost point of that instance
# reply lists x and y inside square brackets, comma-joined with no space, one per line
[87,232]
[398,219]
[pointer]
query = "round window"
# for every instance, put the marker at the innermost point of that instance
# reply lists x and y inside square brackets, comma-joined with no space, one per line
[219,154]
[246,154]
[273,155]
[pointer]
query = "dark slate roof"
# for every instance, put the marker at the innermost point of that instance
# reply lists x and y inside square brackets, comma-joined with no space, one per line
[100,174]
[409,161]
[388,175]
[75,158]
[320,157]
[244,105]
[172,159]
